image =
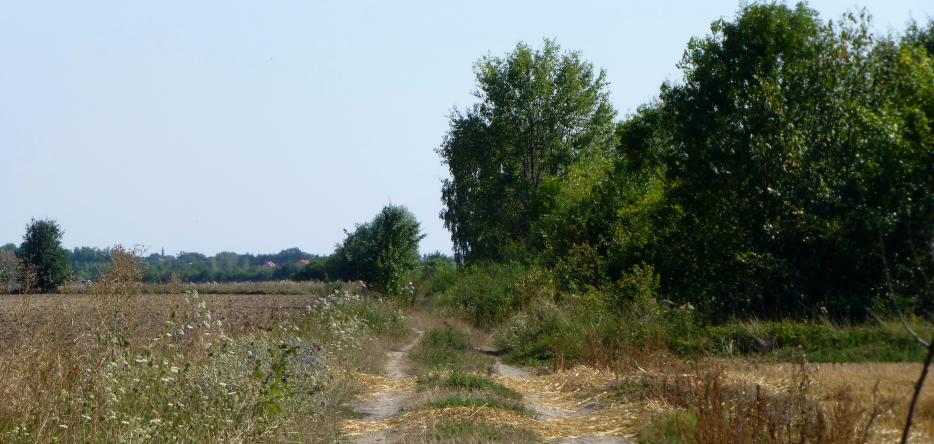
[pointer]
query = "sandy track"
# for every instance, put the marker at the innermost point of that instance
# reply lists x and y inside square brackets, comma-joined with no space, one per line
[389,401]
[561,416]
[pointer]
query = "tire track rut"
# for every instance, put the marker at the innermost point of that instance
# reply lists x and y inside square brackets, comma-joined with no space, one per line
[387,415]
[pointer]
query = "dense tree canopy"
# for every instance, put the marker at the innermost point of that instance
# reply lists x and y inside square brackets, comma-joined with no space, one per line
[539,111]
[43,261]
[384,252]
[791,142]
[764,184]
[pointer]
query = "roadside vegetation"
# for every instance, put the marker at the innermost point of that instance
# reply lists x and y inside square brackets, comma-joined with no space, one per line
[697,261]
[87,376]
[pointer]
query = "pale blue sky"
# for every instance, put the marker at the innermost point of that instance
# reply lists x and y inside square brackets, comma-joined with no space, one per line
[258,126]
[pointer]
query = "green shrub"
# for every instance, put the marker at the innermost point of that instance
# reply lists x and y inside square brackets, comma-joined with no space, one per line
[489,293]
[816,341]
[447,349]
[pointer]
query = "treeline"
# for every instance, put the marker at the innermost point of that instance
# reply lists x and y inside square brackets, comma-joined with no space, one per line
[225,266]
[787,175]
[86,263]
[383,253]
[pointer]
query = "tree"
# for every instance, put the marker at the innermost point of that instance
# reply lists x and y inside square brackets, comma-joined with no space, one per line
[383,252]
[791,140]
[921,37]
[42,258]
[540,111]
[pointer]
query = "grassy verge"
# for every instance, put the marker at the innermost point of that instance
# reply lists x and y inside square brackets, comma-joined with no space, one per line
[469,383]
[444,348]
[88,378]
[546,332]
[472,432]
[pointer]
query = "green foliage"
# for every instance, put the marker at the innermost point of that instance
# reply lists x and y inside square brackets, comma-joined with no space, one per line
[488,293]
[382,252]
[41,255]
[793,143]
[196,267]
[458,380]
[439,271]
[883,341]
[540,111]
[324,269]
[668,428]
[446,349]
[921,37]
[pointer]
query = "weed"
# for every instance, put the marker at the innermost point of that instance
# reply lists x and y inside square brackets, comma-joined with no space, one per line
[88,377]
[471,432]
[667,428]
[489,293]
[457,401]
[467,382]
[447,349]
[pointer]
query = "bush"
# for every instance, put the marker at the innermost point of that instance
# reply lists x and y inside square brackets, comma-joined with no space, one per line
[490,293]
[382,252]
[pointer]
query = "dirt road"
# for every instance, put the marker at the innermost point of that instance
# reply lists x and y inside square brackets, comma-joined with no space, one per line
[567,406]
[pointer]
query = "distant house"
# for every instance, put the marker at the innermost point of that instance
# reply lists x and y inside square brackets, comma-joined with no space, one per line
[302,262]
[269,264]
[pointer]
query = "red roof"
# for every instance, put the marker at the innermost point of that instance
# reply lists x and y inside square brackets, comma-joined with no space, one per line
[302,262]
[269,264]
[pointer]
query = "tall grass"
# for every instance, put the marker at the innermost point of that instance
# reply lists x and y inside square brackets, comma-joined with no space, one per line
[706,406]
[88,379]
[285,287]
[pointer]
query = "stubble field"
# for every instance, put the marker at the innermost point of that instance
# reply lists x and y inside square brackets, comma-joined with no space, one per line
[238,313]
[647,398]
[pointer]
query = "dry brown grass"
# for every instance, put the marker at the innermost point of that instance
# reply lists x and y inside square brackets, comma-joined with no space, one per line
[283,287]
[239,313]
[745,401]
[569,390]
[117,366]
[882,390]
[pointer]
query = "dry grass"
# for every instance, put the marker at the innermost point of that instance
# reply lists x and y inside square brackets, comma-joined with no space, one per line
[882,390]
[704,401]
[238,313]
[618,420]
[744,401]
[283,287]
[118,366]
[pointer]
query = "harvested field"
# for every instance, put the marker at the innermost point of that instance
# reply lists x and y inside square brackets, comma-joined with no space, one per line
[885,388]
[238,312]
[581,401]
